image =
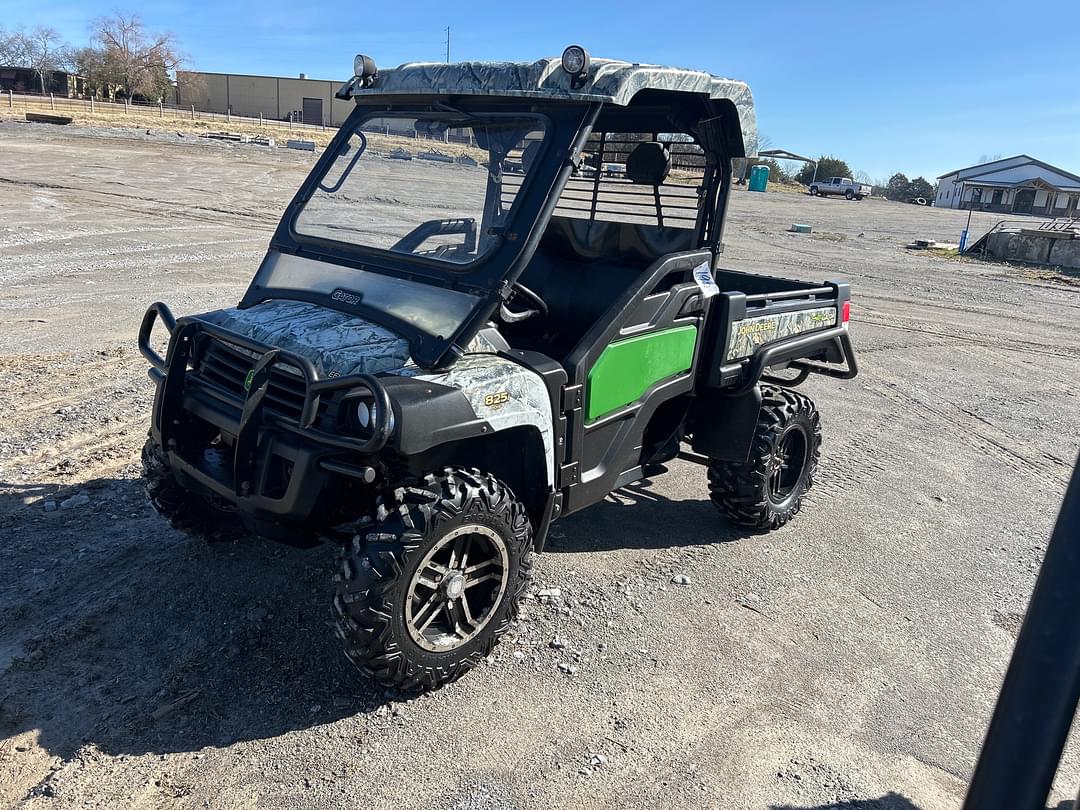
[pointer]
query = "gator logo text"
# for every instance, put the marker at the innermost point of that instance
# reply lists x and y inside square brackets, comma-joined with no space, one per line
[345,297]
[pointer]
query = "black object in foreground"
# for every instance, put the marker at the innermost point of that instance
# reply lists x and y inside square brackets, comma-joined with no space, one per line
[1038,698]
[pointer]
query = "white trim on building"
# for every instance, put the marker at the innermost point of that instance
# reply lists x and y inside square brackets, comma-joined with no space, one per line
[1019,184]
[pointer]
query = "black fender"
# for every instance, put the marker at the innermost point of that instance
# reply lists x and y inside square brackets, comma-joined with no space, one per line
[428,414]
[437,427]
[723,424]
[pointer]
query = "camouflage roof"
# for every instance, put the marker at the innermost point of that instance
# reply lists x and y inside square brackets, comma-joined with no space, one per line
[608,80]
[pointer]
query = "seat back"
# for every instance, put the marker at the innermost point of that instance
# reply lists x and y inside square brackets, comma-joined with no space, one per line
[579,269]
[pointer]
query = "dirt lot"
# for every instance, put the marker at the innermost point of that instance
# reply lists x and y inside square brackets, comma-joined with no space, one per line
[848,660]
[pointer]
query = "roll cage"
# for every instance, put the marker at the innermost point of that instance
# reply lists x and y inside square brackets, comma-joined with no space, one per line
[574,130]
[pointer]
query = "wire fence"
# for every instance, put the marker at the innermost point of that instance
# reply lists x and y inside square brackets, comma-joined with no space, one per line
[60,105]
[49,103]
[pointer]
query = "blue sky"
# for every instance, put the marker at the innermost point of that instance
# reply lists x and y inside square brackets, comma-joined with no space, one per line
[917,87]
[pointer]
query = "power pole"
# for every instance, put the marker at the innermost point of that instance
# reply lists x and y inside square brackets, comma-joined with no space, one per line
[448,43]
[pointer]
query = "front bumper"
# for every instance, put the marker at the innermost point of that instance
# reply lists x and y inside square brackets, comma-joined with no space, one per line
[268,462]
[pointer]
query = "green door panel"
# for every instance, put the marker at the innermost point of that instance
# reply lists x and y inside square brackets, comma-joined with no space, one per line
[626,369]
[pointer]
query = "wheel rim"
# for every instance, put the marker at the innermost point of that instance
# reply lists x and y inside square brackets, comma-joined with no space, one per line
[788,464]
[456,588]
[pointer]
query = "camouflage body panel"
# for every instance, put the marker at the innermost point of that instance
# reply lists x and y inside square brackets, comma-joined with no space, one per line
[749,334]
[337,344]
[608,80]
[503,393]
[500,391]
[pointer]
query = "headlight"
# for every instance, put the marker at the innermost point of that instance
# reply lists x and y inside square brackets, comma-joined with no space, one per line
[364,66]
[575,60]
[365,415]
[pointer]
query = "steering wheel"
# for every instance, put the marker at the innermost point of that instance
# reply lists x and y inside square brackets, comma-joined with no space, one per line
[519,290]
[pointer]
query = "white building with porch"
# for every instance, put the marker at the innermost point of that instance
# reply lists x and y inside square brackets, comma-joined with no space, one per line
[1015,185]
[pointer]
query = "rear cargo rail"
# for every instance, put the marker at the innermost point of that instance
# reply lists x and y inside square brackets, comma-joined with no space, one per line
[796,327]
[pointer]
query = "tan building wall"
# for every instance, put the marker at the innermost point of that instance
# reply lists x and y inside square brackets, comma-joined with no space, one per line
[273,97]
[251,95]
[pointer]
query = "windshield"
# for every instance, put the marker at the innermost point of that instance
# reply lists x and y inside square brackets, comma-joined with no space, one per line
[429,185]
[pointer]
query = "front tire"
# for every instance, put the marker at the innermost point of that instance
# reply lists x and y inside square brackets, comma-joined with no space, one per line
[766,491]
[436,581]
[813,191]
[186,511]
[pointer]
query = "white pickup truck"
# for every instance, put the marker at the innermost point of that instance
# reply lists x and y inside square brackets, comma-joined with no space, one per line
[840,185]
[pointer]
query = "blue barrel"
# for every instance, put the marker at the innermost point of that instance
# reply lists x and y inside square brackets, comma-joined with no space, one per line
[759,178]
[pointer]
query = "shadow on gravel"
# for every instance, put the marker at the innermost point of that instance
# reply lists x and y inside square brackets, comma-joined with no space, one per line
[890,801]
[638,517]
[134,638]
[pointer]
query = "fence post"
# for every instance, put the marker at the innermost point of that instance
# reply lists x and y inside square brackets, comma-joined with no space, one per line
[192,112]
[91,105]
[52,101]
[10,100]
[260,118]
[160,110]
[228,115]
[127,106]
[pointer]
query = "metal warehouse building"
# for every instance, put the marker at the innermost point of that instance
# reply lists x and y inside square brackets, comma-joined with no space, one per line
[1015,185]
[310,101]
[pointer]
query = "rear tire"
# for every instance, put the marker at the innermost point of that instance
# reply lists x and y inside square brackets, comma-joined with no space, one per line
[413,607]
[185,510]
[767,490]
[849,194]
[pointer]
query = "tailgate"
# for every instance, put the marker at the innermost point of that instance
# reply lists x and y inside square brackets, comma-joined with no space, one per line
[748,334]
[751,333]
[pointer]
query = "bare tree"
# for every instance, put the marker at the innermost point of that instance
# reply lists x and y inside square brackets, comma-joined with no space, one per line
[89,62]
[136,62]
[41,49]
[12,48]
[46,52]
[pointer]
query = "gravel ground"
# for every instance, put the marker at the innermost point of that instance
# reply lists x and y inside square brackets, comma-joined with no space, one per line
[849,660]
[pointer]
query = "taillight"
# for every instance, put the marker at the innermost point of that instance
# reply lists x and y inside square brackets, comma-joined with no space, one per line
[845,313]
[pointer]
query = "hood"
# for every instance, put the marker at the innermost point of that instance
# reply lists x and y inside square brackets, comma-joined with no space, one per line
[337,344]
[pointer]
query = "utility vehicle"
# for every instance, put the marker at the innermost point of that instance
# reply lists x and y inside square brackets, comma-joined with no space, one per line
[435,360]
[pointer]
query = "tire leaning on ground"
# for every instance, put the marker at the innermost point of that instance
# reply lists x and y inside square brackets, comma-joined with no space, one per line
[185,511]
[766,491]
[428,592]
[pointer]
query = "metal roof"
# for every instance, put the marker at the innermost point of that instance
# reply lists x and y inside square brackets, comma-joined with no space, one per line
[607,80]
[1025,160]
[1032,182]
